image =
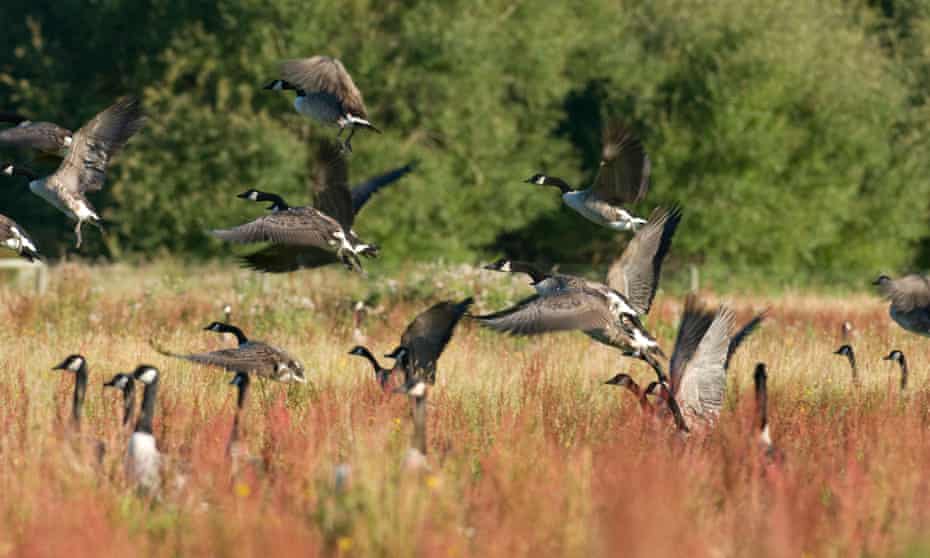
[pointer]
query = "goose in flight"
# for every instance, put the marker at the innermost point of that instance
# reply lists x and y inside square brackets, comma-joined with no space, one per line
[622,179]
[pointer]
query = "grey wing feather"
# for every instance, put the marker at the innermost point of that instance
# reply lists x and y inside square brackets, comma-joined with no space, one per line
[695,322]
[564,310]
[703,384]
[331,185]
[625,168]
[636,274]
[294,227]
[908,292]
[279,258]
[328,75]
[84,169]
[363,192]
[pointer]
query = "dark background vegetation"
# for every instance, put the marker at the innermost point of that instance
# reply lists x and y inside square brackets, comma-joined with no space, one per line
[794,134]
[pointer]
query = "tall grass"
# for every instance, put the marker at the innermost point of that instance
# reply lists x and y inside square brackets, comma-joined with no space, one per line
[530,454]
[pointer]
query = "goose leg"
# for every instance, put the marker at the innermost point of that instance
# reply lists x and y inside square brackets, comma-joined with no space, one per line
[77,232]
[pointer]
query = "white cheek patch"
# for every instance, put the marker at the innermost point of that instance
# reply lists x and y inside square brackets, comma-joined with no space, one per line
[419,390]
[148,376]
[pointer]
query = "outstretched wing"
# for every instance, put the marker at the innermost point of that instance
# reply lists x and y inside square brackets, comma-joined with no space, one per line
[326,75]
[624,174]
[84,169]
[636,273]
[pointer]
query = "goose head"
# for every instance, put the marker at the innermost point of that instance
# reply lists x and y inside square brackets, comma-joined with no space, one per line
[895,355]
[119,381]
[146,374]
[72,363]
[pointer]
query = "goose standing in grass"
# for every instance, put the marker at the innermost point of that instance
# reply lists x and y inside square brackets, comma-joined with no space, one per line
[847,351]
[622,179]
[764,437]
[325,93]
[127,385]
[301,235]
[609,313]
[426,338]
[910,301]
[78,365]
[39,136]
[250,357]
[15,238]
[84,168]
[143,460]
[382,375]
[898,356]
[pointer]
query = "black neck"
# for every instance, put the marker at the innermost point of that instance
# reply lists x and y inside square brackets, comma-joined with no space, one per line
[419,424]
[371,358]
[903,362]
[80,388]
[129,401]
[531,270]
[243,389]
[558,183]
[144,424]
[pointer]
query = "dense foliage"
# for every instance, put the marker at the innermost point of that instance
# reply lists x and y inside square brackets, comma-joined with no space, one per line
[792,133]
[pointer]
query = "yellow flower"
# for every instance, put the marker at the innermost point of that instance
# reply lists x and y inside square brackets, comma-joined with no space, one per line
[243,490]
[344,544]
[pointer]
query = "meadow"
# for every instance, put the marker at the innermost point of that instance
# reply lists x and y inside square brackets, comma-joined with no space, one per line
[530,454]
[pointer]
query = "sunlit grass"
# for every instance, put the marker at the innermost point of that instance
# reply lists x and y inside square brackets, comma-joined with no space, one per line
[530,454]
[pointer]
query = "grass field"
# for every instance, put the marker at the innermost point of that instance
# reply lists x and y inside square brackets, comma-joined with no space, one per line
[531,455]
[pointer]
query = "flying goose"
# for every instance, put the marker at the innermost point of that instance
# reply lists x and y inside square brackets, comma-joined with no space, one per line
[426,338]
[622,179]
[898,356]
[325,93]
[84,168]
[15,238]
[847,351]
[126,384]
[299,230]
[382,375]
[40,136]
[698,367]
[910,301]
[250,357]
[78,365]
[143,460]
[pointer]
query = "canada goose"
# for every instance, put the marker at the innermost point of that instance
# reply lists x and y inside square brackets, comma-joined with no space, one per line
[898,356]
[698,367]
[426,338]
[126,384]
[143,461]
[15,238]
[382,375]
[764,437]
[327,228]
[623,178]
[241,381]
[250,357]
[847,351]
[40,136]
[910,301]
[84,168]
[325,93]
[78,365]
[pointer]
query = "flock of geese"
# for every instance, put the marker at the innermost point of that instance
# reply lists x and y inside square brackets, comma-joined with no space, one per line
[689,387]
